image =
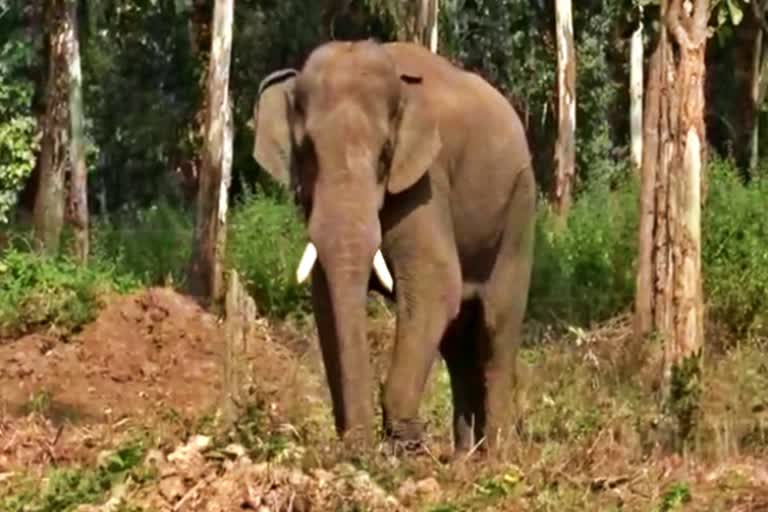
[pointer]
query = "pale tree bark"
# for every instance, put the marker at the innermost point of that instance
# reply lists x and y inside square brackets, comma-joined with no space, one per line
[433,25]
[759,84]
[206,277]
[78,182]
[636,95]
[565,147]
[48,214]
[669,286]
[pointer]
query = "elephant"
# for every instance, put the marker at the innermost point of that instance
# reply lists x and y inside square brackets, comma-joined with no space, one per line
[407,165]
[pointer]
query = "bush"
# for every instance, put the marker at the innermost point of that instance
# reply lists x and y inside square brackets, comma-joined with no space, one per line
[735,249]
[585,273]
[265,242]
[36,291]
[151,245]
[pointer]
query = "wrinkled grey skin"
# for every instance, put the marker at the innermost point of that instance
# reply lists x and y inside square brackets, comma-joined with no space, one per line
[390,146]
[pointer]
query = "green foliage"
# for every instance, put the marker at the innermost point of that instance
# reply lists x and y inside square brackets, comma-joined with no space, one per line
[151,245]
[265,242]
[735,255]
[676,496]
[65,489]
[141,90]
[585,273]
[36,291]
[512,44]
[18,141]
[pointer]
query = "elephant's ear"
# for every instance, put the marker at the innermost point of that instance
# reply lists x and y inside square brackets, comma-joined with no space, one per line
[272,145]
[417,139]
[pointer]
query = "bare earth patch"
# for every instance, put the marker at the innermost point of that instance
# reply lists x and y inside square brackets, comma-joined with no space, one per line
[155,361]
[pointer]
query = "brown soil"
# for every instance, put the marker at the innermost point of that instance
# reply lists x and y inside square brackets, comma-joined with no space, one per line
[153,359]
[147,352]
[156,359]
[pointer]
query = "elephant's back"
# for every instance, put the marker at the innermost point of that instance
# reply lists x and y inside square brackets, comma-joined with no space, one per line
[471,112]
[484,151]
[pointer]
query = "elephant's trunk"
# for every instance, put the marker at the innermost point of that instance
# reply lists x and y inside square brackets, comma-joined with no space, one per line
[345,249]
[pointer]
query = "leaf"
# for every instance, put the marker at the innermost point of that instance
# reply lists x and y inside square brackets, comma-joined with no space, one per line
[722,17]
[737,14]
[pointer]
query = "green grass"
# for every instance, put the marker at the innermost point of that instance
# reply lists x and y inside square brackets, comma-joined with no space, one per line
[64,489]
[36,291]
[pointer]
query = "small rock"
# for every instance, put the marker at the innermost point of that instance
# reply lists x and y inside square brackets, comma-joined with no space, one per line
[426,488]
[200,443]
[322,476]
[235,450]
[154,458]
[172,488]
[407,490]
[103,456]
[297,479]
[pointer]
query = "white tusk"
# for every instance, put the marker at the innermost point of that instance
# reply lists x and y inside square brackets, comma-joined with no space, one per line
[307,262]
[382,272]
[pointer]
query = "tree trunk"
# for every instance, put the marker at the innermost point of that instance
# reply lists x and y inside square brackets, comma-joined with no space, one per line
[240,314]
[653,133]
[565,148]
[48,215]
[78,191]
[636,96]
[759,81]
[669,292]
[212,197]
[433,25]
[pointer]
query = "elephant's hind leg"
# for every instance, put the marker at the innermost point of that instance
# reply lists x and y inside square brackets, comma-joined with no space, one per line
[461,356]
[504,301]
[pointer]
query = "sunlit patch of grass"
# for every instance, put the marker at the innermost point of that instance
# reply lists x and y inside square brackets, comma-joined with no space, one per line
[64,489]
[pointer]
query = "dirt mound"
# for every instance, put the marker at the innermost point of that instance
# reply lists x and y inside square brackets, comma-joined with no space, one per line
[155,350]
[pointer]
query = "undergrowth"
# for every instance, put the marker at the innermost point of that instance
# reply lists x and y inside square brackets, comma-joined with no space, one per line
[152,245]
[64,489]
[265,242]
[582,275]
[37,291]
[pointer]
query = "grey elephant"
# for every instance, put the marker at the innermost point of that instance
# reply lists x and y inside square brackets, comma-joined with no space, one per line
[400,160]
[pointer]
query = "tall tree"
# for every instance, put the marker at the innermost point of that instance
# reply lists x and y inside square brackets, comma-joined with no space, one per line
[636,93]
[426,32]
[78,180]
[669,287]
[48,216]
[565,148]
[206,277]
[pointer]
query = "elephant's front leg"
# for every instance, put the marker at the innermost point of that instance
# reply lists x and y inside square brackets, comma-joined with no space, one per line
[428,295]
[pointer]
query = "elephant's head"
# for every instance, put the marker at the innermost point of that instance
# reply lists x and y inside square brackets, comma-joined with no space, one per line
[342,133]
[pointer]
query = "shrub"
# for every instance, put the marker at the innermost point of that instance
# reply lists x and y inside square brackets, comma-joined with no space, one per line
[36,291]
[735,250]
[150,245]
[265,243]
[585,273]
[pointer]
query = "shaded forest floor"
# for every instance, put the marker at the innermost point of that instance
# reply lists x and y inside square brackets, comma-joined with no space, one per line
[122,416]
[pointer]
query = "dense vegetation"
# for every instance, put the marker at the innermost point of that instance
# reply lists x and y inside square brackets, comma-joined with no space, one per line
[143,63]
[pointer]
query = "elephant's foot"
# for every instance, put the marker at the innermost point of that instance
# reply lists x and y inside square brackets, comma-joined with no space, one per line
[404,437]
[357,440]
